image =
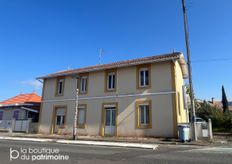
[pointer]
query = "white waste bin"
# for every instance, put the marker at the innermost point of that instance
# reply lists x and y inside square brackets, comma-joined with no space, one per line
[183,130]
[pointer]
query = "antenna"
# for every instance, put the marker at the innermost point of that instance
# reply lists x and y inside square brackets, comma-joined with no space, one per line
[100,55]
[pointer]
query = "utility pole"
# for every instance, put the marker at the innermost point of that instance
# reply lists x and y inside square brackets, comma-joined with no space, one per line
[193,113]
[75,116]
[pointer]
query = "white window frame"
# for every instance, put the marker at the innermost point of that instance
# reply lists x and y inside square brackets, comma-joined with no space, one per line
[62,120]
[60,86]
[147,106]
[84,108]
[61,112]
[144,77]
[83,87]
[112,85]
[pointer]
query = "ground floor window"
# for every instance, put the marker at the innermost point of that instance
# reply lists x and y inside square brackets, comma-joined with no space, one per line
[60,116]
[16,115]
[60,120]
[143,112]
[81,116]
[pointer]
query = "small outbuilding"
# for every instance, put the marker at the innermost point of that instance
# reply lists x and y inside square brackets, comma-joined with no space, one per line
[18,110]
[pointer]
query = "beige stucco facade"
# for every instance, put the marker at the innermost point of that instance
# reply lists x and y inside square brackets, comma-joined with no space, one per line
[165,95]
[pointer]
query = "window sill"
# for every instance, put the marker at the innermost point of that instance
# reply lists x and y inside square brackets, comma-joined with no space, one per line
[144,87]
[110,90]
[144,126]
[59,95]
[81,126]
[61,126]
[83,93]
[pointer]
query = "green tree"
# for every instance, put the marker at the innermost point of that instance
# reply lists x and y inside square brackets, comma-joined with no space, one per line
[187,89]
[224,101]
[220,121]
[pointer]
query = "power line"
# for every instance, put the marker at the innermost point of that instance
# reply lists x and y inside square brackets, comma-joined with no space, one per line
[212,60]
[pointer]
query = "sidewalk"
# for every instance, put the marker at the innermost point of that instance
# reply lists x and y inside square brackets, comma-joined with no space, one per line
[104,141]
[84,142]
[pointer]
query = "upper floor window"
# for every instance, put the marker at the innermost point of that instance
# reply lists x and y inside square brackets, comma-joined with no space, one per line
[110,80]
[60,87]
[143,77]
[83,84]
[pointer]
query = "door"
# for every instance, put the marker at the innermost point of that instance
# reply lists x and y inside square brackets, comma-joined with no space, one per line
[59,119]
[110,121]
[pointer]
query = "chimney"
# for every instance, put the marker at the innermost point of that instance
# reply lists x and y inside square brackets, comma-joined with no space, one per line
[213,100]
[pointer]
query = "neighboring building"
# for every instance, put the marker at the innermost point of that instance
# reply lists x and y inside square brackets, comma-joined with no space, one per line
[218,104]
[215,103]
[21,107]
[140,97]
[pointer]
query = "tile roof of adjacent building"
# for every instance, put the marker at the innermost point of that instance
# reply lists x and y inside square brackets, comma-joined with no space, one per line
[21,99]
[151,59]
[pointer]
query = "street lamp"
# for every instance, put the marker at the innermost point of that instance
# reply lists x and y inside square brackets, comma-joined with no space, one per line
[75,116]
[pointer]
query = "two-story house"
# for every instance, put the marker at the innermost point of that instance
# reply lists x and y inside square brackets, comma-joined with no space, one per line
[139,97]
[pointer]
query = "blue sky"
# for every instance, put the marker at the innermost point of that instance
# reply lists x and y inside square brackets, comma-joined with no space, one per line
[38,37]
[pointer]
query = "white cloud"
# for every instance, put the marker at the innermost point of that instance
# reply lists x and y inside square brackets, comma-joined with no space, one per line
[33,83]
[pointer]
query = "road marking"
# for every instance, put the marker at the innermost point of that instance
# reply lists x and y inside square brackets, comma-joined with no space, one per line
[116,144]
[26,139]
[223,150]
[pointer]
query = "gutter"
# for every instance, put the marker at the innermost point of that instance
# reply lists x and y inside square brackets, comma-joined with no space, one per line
[183,66]
[29,109]
[15,105]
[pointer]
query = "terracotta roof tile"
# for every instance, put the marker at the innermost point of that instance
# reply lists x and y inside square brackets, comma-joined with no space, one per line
[125,63]
[22,98]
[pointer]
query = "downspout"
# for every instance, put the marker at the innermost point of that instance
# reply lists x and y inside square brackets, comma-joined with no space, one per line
[41,104]
[174,101]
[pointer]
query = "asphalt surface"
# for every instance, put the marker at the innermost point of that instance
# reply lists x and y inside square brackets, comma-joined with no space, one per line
[103,155]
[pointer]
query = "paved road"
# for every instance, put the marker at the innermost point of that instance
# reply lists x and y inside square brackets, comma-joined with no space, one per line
[103,155]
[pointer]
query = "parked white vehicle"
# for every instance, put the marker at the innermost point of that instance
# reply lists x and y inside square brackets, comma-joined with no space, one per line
[199,120]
